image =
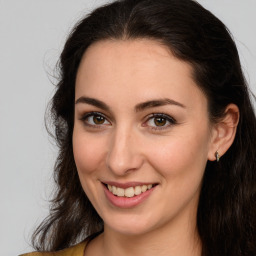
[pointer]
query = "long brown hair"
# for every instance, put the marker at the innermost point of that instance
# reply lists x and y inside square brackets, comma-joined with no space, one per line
[226,218]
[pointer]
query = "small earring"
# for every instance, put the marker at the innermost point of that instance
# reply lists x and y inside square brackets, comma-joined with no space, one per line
[217,156]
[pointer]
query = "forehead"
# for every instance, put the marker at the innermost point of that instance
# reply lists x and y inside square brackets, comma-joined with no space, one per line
[136,69]
[130,55]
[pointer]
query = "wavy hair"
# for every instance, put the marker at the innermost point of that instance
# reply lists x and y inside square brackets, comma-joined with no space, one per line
[226,218]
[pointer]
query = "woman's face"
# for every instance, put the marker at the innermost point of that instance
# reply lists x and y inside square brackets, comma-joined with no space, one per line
[141,135]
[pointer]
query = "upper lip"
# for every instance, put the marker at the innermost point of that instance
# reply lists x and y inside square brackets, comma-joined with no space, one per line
[127,184]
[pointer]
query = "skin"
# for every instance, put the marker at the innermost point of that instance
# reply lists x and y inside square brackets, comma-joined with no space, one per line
[129,145]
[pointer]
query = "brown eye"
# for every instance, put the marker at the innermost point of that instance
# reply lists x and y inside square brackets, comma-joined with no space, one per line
[98,119]
[95,120]
[160,121]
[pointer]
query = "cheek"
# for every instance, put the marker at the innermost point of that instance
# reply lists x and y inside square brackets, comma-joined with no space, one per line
[88,155]
[182,157]
[88,152]
[181,162]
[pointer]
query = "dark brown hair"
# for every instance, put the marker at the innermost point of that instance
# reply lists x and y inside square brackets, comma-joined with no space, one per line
[226,218]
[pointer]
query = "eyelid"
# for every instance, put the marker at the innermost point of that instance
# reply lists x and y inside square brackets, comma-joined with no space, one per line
[172,121]
[167,117]
[93,113]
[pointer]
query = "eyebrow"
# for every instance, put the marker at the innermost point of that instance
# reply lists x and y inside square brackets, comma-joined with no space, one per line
[157,103]
[93,102]
[139,107]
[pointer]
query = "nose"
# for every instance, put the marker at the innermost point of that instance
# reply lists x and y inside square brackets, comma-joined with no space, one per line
[124,154]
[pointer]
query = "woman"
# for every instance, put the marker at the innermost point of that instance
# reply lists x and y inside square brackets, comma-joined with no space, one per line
[157,137]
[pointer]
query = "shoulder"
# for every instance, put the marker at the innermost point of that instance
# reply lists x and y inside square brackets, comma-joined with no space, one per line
[77,250]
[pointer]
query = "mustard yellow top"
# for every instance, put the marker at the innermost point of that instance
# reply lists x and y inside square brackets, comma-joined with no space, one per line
[76,250]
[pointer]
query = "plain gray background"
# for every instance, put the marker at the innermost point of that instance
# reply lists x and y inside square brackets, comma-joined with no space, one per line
[32,34]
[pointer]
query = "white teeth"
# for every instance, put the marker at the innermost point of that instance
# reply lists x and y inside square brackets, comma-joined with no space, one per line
[128,192]
[144,188]
[120,192]
[114,190]
[110,188]
[137,190]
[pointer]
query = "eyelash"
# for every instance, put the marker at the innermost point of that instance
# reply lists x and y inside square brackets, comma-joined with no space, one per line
[85,118]
[168,119]
[165,117]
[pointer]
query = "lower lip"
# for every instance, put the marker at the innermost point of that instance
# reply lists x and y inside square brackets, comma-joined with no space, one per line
[127,202]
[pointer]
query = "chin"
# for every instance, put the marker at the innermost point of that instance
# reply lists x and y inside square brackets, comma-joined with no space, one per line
[129,225]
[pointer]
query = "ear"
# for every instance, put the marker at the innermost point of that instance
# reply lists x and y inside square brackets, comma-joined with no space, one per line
[223,132]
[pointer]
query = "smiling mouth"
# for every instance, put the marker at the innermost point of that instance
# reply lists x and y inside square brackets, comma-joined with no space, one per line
[130,191]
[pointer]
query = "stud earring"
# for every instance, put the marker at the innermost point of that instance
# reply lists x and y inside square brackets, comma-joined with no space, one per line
[217,156]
